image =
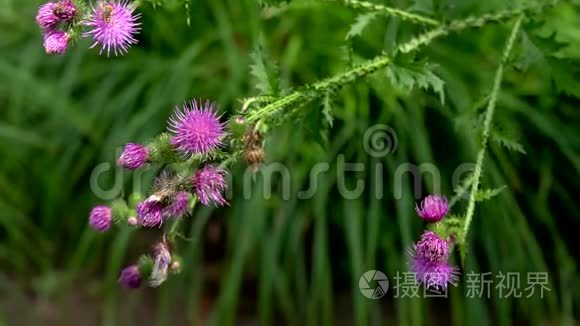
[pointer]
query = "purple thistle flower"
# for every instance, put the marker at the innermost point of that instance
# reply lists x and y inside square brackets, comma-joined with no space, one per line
[100,218]
[133,156]
[50,14]
[433,208]
[429,262]
[209,184]
[150,212]
[178,205]
[435,275]
[131,277]
[196,129]
[432,248]
[55,41]
[46,18]
[161,266]
[114,25]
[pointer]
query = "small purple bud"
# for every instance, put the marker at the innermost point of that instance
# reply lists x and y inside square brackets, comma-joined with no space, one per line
[100,218]
[433,208]
[130,277]
[55,42]
[179,205]
[133,156]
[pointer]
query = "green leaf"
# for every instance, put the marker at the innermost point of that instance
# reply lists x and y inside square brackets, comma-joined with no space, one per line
[508,143]
[327,110]
[361,22]
[486,194]
[265,72]
[411,74]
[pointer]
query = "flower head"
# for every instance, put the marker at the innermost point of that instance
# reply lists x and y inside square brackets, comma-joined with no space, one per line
[179,205]
[55,41]
[114,25]
[429,261]
[196,129]
[435,275]
[131,277]
[133,156]
[50,13]
[45,18]
[101,218]
[432,248]
[210,184]
[433,208]
[150,212]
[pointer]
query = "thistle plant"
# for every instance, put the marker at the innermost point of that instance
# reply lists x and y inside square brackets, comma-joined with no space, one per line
[199,144]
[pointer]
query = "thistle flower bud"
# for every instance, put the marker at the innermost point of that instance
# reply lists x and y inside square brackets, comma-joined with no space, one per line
[100,218]
[132,221]
[131,277]
[433,208]
[133,157]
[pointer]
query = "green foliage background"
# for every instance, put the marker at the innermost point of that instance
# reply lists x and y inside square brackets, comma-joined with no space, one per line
[294,260]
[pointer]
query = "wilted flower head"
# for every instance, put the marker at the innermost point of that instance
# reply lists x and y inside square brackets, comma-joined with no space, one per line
[429,261]
[196,129]
[133,156]
[100,218]
[114,25]
[150,212]
[433,208]
[55,41]
[210,184]
[179,205]
[161,266]
[131,277]
[50,14]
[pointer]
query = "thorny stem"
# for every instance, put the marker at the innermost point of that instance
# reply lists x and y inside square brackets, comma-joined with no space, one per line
[486,128]
[405,15]
[318,89]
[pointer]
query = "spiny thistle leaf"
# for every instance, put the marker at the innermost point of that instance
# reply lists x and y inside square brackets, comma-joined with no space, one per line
[265,72]
[361,22]
[486,194]
[508,143]
[327,109]
[408,74]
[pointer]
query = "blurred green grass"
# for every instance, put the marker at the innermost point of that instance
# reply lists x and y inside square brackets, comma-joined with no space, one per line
[284,260]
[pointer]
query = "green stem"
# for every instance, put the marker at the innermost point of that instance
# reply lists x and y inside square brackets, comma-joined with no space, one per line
[173,231]
[405,15]
[318,89]
[486,128]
